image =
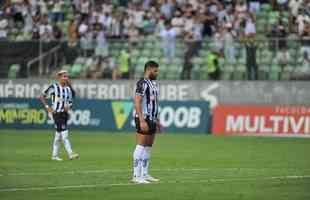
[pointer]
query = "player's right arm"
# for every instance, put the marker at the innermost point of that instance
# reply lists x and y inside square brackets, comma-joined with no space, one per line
[43,99]
[140,92]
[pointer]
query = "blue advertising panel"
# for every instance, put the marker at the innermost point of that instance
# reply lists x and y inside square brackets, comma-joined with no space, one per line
[175,116]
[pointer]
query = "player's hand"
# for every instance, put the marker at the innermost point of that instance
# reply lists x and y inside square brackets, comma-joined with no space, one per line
[50,110]
[143,125]
[158,126]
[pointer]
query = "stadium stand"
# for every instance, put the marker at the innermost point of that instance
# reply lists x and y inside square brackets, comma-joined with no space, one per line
[254,39]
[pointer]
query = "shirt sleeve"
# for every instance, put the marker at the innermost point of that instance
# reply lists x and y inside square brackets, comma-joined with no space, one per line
[48,92]
[140,88]
[72,91]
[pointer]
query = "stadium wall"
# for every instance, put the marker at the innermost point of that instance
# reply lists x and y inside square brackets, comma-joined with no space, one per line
[220,92]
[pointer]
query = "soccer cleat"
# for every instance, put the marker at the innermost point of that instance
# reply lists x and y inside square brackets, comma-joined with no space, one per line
[150,178]
[140,180]
[56,158]
[74,156]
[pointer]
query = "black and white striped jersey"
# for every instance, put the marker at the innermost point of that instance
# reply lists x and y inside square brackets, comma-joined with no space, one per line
[60,96]
[148,90]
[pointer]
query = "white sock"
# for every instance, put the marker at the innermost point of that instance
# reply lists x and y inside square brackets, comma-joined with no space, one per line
[137,161]
[56,144]
[146,160]
[66,141]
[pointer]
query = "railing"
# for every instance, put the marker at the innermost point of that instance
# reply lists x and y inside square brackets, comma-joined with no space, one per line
[43,55]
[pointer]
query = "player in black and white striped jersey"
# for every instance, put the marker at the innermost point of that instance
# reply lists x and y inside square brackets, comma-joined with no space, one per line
[61,94]
[147,123]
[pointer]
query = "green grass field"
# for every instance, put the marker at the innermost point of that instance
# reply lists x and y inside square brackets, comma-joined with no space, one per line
[190,167]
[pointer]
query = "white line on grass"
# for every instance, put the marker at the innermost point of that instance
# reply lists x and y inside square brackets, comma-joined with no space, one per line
[66,187]
[128,170]
[101,171]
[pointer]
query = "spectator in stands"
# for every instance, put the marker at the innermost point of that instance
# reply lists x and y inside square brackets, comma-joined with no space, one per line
[279,45]
[133,36]
[193,41]
[86,38]
[282,4]
[28,22]
[109,68]
[294,6]
[222,14]
[115,30]
[254,5]
[149,24]
[250,44]
[229,37]
[305,42]
[123,71]
[57,13]
[138,14]
[73,34]
[167,8]
[218,39]
[35,33]
[127,22]
[214,71]
[189,21]
[107,6]
[209,21]
[168,37]
[241,9]
[106,21]
[3,27]
[102,49]
[45,29]
[84,8]
[18,7]
[178,21]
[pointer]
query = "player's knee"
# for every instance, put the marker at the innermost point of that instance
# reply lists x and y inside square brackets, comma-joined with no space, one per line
[64,134]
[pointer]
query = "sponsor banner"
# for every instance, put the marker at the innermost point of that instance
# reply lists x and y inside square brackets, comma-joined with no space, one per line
[216,93]
[23,113]
[261,120]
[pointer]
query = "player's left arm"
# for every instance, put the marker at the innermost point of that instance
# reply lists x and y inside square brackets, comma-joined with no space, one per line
[69,105]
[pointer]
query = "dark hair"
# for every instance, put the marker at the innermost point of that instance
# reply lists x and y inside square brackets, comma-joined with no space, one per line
[150,64]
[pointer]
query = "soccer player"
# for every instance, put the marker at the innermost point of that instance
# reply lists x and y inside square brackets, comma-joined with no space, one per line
[61,94]
[147,123]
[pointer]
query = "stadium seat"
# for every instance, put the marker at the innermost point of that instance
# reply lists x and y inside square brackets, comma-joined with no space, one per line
[286,73]
[66,67]
[75,70]
[203,53]
[13,71]
[227,72]
[265,56]
[273,17]
[239,72]
[263,70]
[274,72]
[197,62]
[146,52]
[177,61]
[266,7]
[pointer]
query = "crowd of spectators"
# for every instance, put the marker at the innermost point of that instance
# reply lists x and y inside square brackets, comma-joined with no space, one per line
[90,24]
